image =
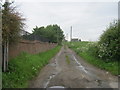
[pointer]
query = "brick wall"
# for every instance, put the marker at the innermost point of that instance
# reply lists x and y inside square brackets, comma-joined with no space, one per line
[31,47]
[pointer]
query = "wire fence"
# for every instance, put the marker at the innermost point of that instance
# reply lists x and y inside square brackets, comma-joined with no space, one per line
[28,36]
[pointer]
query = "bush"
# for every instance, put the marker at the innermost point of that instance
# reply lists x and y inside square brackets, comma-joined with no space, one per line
[109,43]
[93,48]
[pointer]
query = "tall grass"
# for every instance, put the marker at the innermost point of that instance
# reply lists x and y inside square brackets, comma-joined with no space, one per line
[88,51]
[26,66]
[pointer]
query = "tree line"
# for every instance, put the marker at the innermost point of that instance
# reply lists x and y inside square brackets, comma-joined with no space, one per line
[52,32]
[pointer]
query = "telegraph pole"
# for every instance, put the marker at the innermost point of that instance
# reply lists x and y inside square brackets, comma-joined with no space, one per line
[0,35]
[1,45]
[71,33]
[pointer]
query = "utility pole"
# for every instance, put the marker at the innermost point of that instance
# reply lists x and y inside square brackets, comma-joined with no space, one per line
[0,35]
[71,33]
[1,45]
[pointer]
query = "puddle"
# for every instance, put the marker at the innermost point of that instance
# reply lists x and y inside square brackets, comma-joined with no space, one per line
[79,65]
[48,81]
[57,87]
[93,76]
[54,73]
[82,68]
[53,64]
[114,84]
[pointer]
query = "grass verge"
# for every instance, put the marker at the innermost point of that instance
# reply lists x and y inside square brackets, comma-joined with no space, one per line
[81,49]
[24,67]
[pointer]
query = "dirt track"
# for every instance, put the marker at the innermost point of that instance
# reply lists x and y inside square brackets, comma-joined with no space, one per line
[68,70]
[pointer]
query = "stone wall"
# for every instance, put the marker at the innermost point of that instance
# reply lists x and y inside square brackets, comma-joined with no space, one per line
[31,47]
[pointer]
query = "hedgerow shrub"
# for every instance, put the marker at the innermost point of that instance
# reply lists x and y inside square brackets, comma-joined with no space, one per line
[110,42]
[93,48]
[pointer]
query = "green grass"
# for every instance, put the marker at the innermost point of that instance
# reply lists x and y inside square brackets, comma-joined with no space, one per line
[67,59]
[81,49]
[26,66]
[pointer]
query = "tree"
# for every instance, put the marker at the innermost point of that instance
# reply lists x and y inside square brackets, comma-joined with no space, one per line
[12,24]
[53,32]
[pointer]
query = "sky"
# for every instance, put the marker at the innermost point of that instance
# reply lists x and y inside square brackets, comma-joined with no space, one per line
[88,19]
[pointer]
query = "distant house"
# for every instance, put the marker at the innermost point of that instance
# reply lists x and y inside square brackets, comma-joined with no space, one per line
[75,40]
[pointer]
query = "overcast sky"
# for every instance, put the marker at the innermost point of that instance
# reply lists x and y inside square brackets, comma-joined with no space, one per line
[88,19]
